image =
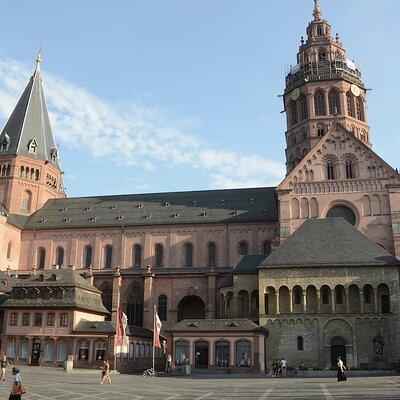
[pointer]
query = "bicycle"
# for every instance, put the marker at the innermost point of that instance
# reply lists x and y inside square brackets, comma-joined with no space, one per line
[149,372]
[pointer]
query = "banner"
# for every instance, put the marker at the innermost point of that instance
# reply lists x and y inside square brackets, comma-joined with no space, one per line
[157,329]
[121,340]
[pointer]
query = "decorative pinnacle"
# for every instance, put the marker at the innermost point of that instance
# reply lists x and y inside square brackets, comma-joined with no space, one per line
[38,58]
[317,13]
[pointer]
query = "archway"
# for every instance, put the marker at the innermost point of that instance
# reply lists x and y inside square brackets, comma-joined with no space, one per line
[338,349]
[344,212]
[191,307]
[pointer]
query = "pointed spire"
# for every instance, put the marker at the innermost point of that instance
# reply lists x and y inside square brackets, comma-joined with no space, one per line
[317,13]
[28,128]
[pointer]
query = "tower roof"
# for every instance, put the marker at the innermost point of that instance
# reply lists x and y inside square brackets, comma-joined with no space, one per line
[28,131]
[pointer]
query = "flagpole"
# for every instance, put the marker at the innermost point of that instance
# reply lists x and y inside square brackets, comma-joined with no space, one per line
[154,327]
[116,330]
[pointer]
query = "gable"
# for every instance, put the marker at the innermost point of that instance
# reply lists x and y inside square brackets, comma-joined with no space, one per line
[339,146]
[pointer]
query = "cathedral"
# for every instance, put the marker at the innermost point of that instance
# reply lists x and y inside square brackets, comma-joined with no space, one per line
[305,271]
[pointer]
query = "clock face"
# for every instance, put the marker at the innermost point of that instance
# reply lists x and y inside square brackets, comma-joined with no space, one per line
[296,94]
[355,90]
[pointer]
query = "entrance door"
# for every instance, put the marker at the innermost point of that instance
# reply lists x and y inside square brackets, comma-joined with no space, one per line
[338,349]
[36,346]
[201,355]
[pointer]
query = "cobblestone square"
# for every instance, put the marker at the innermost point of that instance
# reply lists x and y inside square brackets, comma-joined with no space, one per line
[46,383]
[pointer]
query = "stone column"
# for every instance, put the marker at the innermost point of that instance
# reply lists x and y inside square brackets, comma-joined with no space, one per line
[116,295]
[318,300]
[211,290]
[277,302]
[376,300]
[361,301]
[290,300]
[347,300]
[304,300]
[148,298]
[333,300]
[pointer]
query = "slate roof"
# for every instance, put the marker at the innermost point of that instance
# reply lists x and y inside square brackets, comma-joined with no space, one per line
[65,277]
[194,207]
[77,292]
[217,325]
[248,265]
[328,242]
[28,121]
[94,326]
[139,331]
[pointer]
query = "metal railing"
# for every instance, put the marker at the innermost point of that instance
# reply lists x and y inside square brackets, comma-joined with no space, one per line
[322,70]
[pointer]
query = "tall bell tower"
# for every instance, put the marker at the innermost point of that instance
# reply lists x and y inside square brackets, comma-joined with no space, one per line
[30,171]
[322,88]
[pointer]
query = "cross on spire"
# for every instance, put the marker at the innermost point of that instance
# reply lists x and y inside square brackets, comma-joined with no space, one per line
[38,58]
[317,13]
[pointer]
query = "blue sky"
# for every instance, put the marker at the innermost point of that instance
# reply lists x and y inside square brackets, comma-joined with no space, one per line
[155,95]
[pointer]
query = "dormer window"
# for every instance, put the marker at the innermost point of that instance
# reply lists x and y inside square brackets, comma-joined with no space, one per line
[32,146]
[4,142]
[53,154]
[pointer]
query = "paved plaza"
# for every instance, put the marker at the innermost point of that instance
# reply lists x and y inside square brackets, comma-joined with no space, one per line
[46,383]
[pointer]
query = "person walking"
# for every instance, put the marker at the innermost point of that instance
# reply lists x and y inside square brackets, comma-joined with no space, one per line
[283,366]
[341,375]
[105,372]
[168,365]
[18,388]
[3,365]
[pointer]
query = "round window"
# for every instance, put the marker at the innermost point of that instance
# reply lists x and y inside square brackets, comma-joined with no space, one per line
[343,212]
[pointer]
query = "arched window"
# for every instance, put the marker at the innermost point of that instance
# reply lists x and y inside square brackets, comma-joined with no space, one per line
[243,249]
[297,294]
[319,103]
[321,130]
[212,254]
[303,108]
[106,296]
[254,304]
[339,294]
[222,353]
[305,209]
[300,343]
[9,249]
[293,113]
[243,354]
[162,307]
[87,256]
[83,350]
[330,171]
[108,250]
[59,256]
[350,104]
[267,248]
[350,170]
[366,205]
[368,293]
[137,256]
[26,201]
[295,209]
[334,102]
[41,257]
[243,303]
[322,55]
[181,352]
[360,108]
[188,255]
[159,251]
[343,212]
[325,294]
[134,305]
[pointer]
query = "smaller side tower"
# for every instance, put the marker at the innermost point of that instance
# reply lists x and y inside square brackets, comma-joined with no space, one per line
[30,171]
[322,88]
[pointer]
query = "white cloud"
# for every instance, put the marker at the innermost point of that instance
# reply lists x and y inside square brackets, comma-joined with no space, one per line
[134,135]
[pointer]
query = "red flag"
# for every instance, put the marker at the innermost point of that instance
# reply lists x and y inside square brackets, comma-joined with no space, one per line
[120,334]
[157,329]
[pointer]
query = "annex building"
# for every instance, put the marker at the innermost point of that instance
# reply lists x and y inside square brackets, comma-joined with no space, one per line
[307,270]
